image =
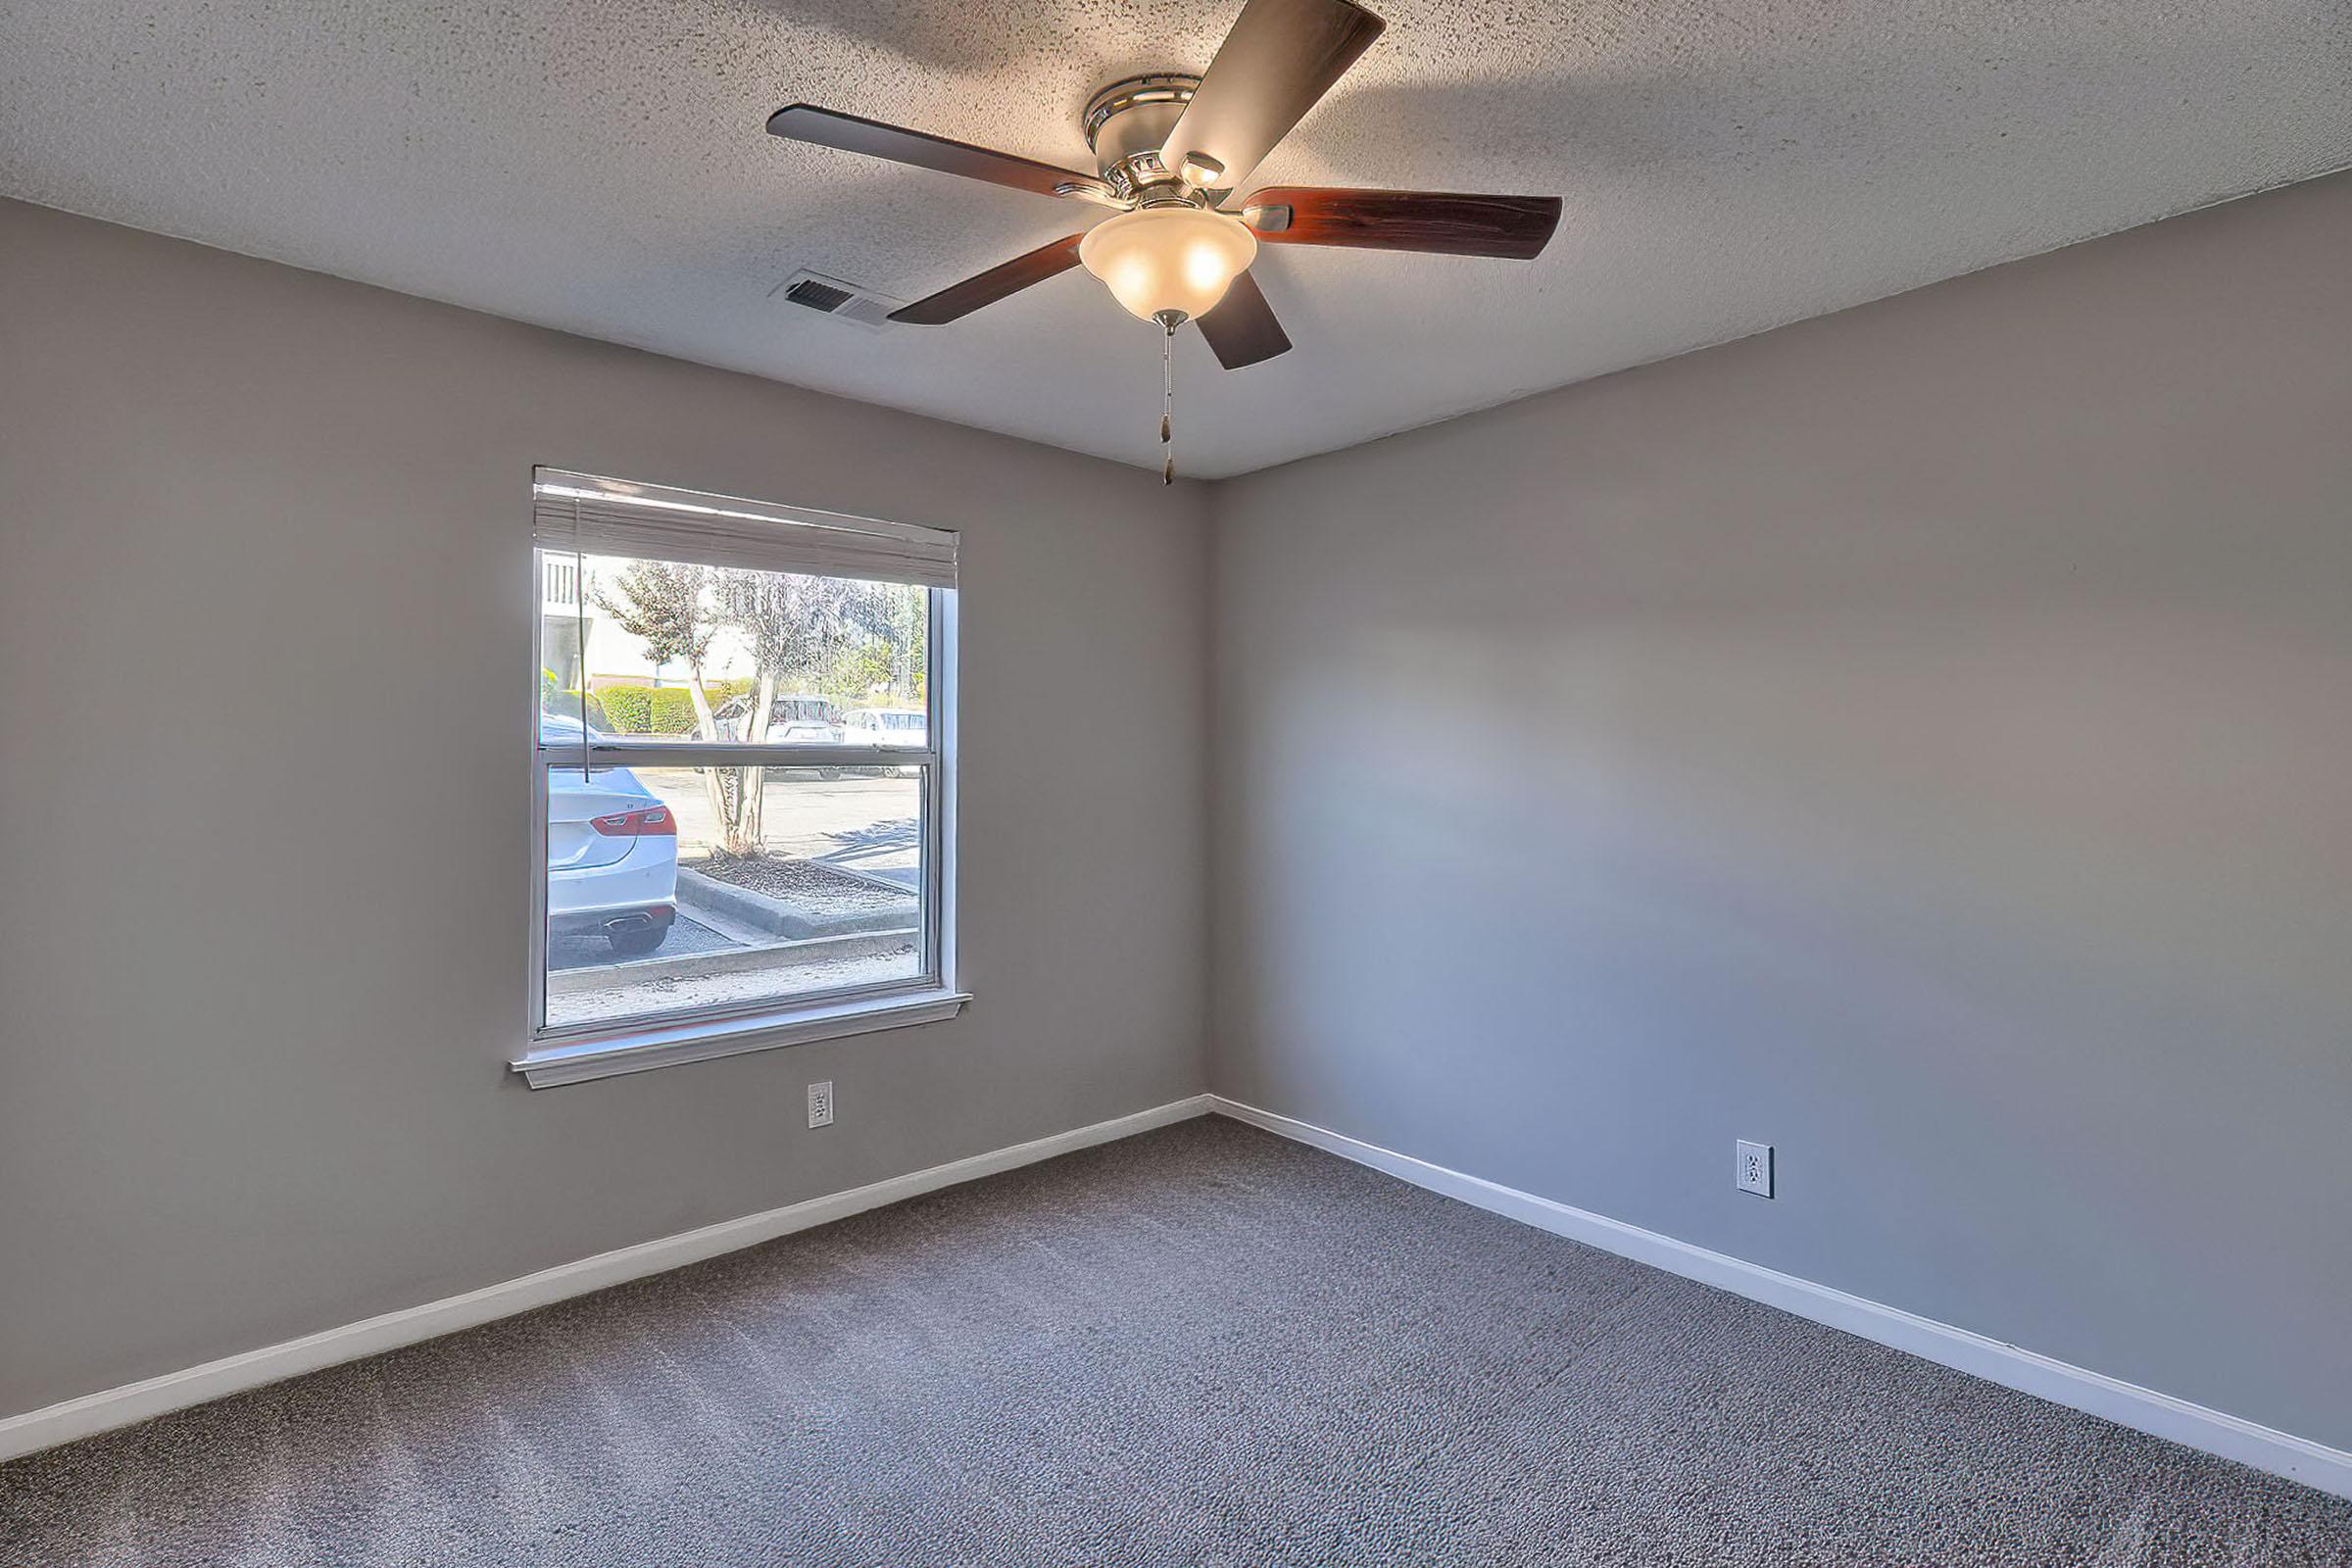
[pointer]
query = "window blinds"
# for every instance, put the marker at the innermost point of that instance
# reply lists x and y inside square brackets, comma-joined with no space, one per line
[577,512]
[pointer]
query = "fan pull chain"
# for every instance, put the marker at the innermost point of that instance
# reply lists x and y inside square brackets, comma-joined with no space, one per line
[1168,401]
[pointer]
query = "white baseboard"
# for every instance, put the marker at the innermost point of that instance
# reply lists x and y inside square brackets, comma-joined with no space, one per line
[2194,1425]
[2128,1404]
[174,1390]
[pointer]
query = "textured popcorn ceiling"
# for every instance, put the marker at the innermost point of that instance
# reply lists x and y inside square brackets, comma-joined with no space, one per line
[599,166]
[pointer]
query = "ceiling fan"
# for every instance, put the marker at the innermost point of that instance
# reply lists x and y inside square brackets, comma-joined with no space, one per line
[1173,150]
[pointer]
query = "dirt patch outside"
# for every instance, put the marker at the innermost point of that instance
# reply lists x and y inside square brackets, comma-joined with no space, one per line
[806,885]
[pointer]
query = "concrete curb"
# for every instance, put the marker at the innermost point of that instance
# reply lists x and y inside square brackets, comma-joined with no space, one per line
[696,966]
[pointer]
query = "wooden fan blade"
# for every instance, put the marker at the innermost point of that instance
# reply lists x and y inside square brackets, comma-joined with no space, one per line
[827,128]
[1241,330]
[1280,58]
[1446,222]
[959,300]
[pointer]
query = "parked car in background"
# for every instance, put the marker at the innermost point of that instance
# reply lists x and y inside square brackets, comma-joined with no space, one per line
[886,727]
[795,721]
[611,852]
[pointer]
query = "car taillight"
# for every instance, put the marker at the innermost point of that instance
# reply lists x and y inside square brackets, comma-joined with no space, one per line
[652,821]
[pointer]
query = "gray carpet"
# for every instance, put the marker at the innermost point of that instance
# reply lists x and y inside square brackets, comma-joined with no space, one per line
[1199,1346]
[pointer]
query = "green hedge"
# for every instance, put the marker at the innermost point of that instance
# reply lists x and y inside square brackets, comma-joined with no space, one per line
[651,711]
[673,710]
[627,709]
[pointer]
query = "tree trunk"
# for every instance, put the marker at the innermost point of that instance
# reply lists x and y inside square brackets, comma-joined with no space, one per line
[714,783]
[754,779]
[913,617]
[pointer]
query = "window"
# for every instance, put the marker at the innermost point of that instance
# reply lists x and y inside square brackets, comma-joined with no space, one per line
[741,785]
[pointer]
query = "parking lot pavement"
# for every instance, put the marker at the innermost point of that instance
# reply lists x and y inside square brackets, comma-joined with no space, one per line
[685,937]
[861,823]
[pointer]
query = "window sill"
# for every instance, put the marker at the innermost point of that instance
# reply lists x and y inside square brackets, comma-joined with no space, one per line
[663,1048]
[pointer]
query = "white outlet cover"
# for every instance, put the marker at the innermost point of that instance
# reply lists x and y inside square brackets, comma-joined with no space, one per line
[820,1103]
[1754,1171]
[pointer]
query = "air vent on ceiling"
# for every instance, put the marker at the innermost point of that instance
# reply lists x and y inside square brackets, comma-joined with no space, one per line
[818,295]
[830,296]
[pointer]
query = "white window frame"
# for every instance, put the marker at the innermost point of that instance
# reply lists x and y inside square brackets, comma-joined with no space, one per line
[571,1053]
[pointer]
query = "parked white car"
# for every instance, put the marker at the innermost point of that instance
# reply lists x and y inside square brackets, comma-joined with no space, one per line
[887,726]
[795,721]
[611,852]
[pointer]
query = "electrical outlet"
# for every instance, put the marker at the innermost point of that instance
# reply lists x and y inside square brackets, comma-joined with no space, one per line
[820,1103]
[1755,1172]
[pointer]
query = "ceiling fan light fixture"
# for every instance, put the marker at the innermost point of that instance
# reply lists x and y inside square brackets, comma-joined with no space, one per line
[1168,260]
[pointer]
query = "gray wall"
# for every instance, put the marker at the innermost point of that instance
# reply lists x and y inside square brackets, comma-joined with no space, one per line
[1919,738]
[262,948]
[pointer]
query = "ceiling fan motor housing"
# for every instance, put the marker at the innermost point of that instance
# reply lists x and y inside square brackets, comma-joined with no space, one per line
[1126,125]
